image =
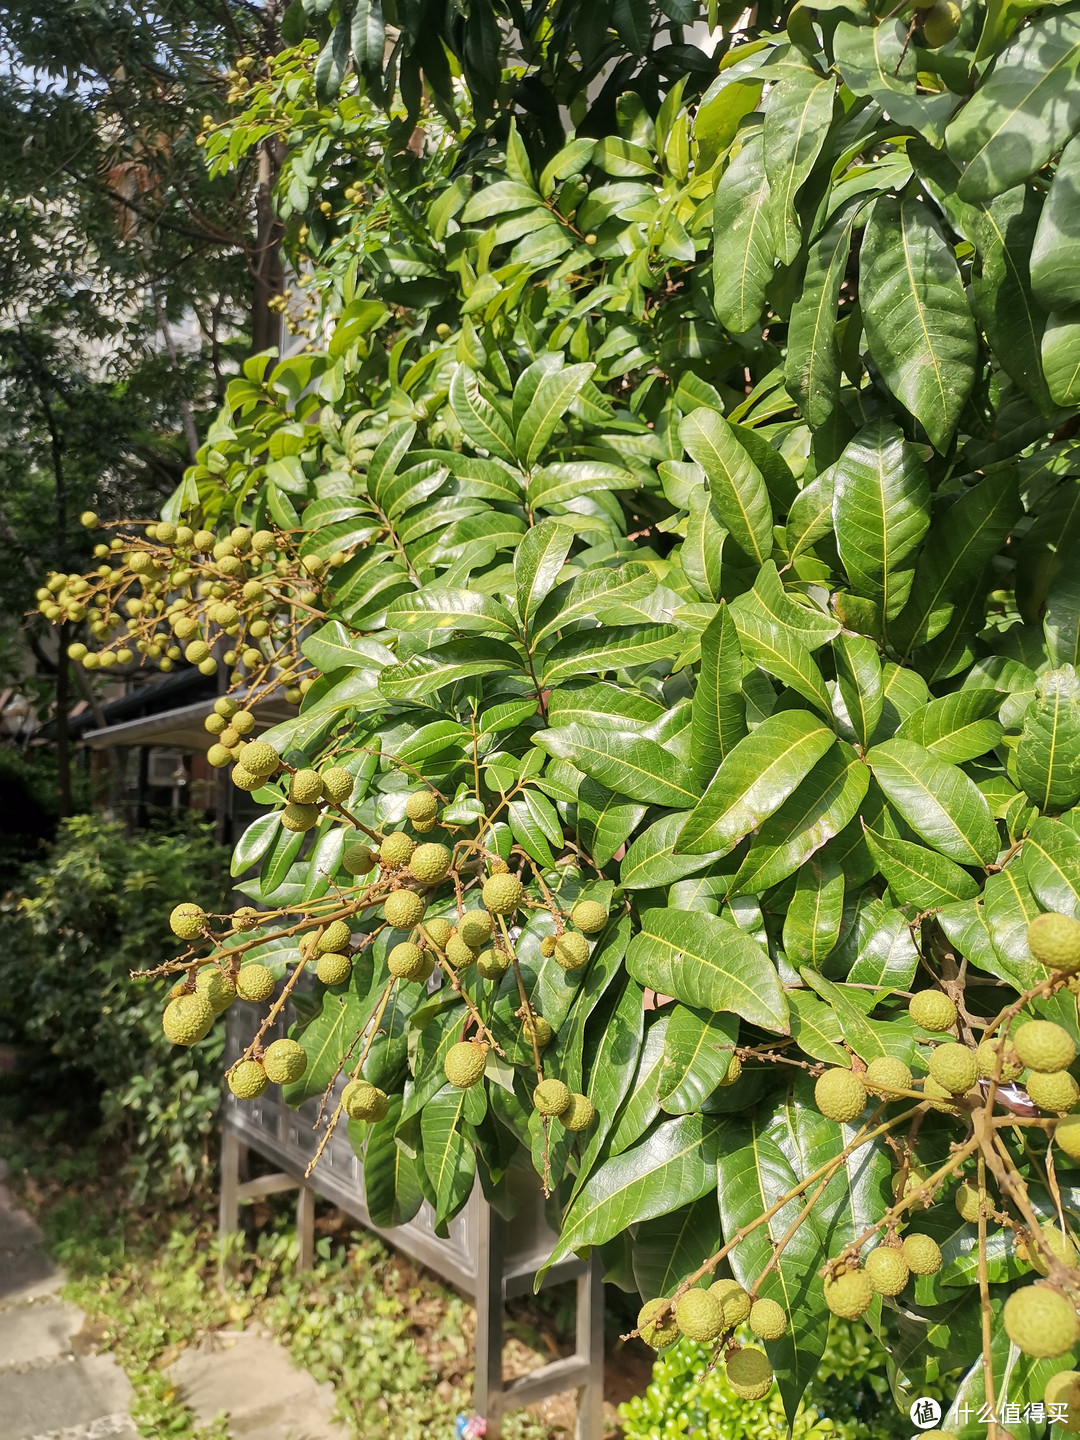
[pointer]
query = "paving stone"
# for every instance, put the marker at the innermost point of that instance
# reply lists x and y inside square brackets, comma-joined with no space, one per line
[39,1334]
[17,1230]
[63,1396]
[255,1380]
[27,1275]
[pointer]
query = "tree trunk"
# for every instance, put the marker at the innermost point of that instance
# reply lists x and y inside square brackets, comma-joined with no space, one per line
[63,745]
[266,256]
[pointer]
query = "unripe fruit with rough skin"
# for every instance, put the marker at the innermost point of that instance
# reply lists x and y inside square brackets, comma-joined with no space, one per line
[337,784]
[406,961]
[244,780]
[187,1019]
[1041,1045]
[768,1320]
[579,1114]
[502,894]
[404,909]
[492,964]
[923,1254]
[940,1098]
[886,1074]
[299,817]
[539,1028]
[464,1063]
[551,1097]
[89,520]
[260,759]
[572,950]
[334,969]
[357,860]
[284,1062]
[246,918]
[438,930]
[966,1201]
[421,805]
[850,1294]
[396,850]
[547,946]
[887,1270]
[305,787]
[932,1010]
[248,1080]
[941,23]
[1040,1322]
[953,1066]
[1060,1246]
[188,921]
[219,756]
[363,1101]
[255,983]
[1063,1390]
[336,936]
[423,826]
[749,1373]
[1054,940]
[431,863]
[475,928]
[1067,1136]
[734,1299]
[840,1095]
[589,916]
[460,955]
[658,1331]
[1057,1093]
[986,1061]
[699,1315]
[218,988]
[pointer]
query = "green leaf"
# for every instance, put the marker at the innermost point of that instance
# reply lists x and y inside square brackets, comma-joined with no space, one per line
[879,60]
[1055,254]
[915,311]
[743,253]
[505,197]
[536,826]
[888,955]
[588,593]
[612,1059]
[426,673]
[625,762]
[881,511]
[605,820]
[325,1041]
[1024,111]
[812,922]
[448,1156]
[672,1166]
[254,842]
[1061,356]
[755,779]
[718,716]
[1051,856]
[937,800]
[435,609]
[278,859]
[812,362]
[388,455]
[610,647]
[570,479]
[870,1039]
[916,875]
[539,559]
[825,802]
[391,1185]
[670,1247]
[1048,755]
[778,651]
[736,485]
[956,727]
[708,963]
[816,1028]
[698,1047]
[861,685]
[702,550]
[554,395]
[650,862]
[481,420]
[1061,619]
[808,622]
[796,125]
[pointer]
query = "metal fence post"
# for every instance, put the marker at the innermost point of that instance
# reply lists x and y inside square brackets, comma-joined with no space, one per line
[590,1348]
[305,1227]
[488,1385]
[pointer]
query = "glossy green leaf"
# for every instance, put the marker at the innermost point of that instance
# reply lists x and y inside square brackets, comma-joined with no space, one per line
[859,677]
[671,1247]
[554,395]
[1051,855]
[625,762]
[812,922]
[956,727]
[918,876]
[778,651]
[426,673]
[391,1185]
[698,1048]
[938,801]
[743,254]
[1061,356]
[796,126]
[651,863]
[539,559]
[448,1156]
[610,647]
[736,485]
[605,820]
[481,420]
[1048,755]
[435,609]
[718,716]
[812,364]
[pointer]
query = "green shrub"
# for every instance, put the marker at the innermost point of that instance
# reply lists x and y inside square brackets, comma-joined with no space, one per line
[86,918]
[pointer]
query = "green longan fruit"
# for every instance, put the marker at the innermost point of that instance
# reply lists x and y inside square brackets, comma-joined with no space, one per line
[357,859]
[423,826]
[421,805]
[215,723]
[840,1095]
[337,784]
[363,1101]
[885,1074]
[475,928]
[187,1019]
[188,921]
[547,946]
[1057,1093]
[334,969]
[219,756]
[299,817]
[699,1315]
[305,787]
[396,850]
[986,1061]
[248,1080]
[941,23]
[768,1320]
[336,936]
[464,1063]
[953,1066]
[1060,1246]
[260,759]
[932,1010]
[255,982]
[966,1201]
[407,961]
[1054,940]
[431,863]
[1041,1045]
[438,930]
[404,909]
[551,1097]
[502,894]
[1063,1389]
[887,1269]
[749,1373]
[572,950]
[218,988]
[850,1294]
[243,722]
[492,964]
[246,918]
[89,520]
[1067,1136]
[284,1062]
[657,1330]
[922,1253]
[460,955]
[940,1098]
[579,1114]
[261,542]
[1040,1322]
[589,916]
[735,1301]
[244,780]
[539,1028]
